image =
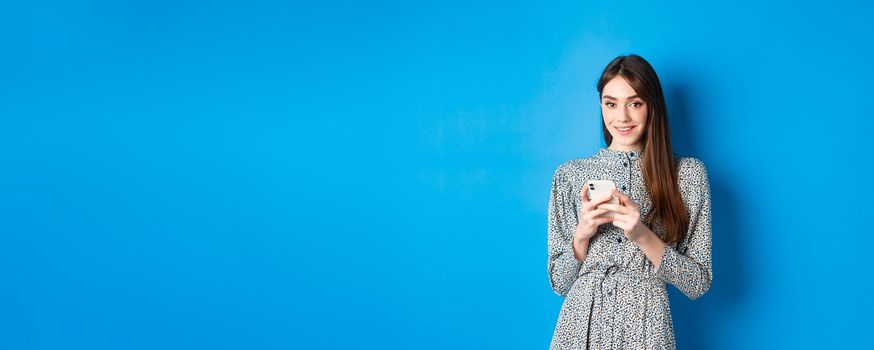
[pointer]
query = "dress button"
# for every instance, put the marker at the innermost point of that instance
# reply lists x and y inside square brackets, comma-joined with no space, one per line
[625,164]
[618,239]
[623,187]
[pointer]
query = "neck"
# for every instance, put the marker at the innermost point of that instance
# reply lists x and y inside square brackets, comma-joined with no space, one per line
[617,147]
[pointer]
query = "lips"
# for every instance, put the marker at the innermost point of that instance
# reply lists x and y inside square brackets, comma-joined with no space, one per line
[625,130]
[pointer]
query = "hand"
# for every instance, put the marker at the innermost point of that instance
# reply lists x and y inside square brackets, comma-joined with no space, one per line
[590,217]
[626,216]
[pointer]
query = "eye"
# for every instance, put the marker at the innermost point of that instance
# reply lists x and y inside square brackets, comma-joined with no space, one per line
[638,104]
[609,104]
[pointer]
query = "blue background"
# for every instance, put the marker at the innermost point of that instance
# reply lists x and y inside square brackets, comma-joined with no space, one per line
[258,174]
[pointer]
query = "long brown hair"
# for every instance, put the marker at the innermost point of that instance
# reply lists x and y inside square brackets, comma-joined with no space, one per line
[659,166]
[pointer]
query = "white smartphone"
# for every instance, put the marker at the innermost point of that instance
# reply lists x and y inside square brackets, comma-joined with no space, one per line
[600,189]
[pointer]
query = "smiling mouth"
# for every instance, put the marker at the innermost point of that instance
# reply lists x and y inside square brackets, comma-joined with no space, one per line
[625,130]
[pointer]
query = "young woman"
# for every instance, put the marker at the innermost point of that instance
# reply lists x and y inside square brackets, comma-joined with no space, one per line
[612,262]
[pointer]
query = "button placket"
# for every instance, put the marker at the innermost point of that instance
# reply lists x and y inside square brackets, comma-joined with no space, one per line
[622,250]
[627,174]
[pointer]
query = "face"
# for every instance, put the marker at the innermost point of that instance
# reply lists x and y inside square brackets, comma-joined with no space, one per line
[624,114]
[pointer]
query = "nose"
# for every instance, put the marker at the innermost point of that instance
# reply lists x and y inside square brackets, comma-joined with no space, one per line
[625,115]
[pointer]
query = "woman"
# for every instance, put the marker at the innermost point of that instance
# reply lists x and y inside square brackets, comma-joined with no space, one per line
[612,262]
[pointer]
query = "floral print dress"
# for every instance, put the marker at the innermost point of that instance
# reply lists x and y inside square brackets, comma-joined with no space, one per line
[615,298]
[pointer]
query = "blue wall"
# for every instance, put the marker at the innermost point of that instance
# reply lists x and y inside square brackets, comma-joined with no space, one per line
[317,175]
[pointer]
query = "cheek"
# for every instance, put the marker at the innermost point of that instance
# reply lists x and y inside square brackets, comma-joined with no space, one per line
[640,116]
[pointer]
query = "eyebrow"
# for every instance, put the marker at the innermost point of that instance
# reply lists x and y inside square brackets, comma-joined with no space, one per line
[613,98]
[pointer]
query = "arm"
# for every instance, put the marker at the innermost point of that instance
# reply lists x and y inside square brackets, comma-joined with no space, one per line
[562,265]
[689,267]
[581,248]
[651,245]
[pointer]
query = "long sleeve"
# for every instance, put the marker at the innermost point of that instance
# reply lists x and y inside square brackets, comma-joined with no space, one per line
[562,265]
[689,266]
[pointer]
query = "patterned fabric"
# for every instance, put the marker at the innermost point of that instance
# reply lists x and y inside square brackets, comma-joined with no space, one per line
[615,298]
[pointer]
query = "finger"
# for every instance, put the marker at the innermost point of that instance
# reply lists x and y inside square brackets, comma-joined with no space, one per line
[594,214]
[593,203]
[613,207]
[584,198]
[619,194]
[623,219]
[620,219]
[602,221]
[623,198]
[597,201]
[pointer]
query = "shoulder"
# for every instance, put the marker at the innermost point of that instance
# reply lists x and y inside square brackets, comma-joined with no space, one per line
[576,167]
[691,171]
[690,166]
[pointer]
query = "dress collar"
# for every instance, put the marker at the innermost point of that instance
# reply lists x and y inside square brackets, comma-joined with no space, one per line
[609,153]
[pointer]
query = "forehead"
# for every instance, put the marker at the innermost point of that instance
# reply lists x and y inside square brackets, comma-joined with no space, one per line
[618,88]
